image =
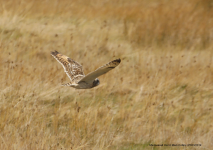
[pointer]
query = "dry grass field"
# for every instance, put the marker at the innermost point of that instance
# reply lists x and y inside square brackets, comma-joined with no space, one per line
[161,93]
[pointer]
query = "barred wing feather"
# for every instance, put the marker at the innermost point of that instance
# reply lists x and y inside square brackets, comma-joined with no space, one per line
[89,78]
[73,69]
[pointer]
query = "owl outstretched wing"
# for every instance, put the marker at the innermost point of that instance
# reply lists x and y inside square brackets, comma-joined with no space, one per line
[89,78]
[72,68]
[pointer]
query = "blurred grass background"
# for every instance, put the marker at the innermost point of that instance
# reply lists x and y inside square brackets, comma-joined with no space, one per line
[161,93]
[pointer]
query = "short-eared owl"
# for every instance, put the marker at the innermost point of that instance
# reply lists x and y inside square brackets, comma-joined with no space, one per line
[75,72]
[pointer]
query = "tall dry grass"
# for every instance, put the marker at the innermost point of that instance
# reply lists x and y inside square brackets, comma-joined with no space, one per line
[161,93]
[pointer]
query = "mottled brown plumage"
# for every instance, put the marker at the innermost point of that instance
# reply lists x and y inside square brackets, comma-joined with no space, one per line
[73,69]
[75,72]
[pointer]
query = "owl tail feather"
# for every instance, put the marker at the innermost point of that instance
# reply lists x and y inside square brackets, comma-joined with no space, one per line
[67,84]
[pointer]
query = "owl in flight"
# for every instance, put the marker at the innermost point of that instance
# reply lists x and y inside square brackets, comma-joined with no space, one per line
[75,72]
